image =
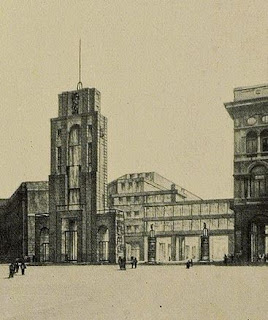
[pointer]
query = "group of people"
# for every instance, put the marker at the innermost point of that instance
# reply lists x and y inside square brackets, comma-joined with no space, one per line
[134,262]
[122,262]
[189,264]
[14,268]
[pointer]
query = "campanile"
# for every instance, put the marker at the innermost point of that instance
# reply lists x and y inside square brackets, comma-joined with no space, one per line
[78,176]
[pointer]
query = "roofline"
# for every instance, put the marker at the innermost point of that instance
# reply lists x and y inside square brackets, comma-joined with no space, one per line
[251,87]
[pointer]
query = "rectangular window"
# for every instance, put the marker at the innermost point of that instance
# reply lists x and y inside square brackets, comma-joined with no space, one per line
[214,224]
[74,196]
[159,225]
[252,145]
[123,186]
[136,213]
[59,159]
[136,229]
[264,144]
[74,177]
[159,211]
[168,211]
[214,208]
[186,225]
[128,229]
[186,210]
[178,225]
[59,133]
[178,209]
[89,133]
[204,208]
[168,225]
[129,214]
[196,224]
[222,223]
[89,156]
[150,212]
[196,209]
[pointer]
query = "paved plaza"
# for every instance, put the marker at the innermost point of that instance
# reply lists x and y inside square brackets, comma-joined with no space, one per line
[148,292]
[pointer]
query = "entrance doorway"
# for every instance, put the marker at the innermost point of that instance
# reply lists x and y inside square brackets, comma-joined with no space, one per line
[163,249]
[258,238]
[103,243]
[44,245]
[69,240]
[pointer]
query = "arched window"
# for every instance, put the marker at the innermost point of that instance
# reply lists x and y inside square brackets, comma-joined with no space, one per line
[251,142]
[74,163]
[74,135]
[44,245]
[264,141]
[258,182]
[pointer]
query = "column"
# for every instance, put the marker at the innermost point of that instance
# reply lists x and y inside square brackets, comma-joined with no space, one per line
[259,143]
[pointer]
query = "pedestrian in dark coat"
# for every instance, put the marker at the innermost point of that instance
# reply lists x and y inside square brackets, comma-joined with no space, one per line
[188,264]
[23,267]
[135,262]
[120,262]
[132,262]
[123,263]
[17,266]
[11,270]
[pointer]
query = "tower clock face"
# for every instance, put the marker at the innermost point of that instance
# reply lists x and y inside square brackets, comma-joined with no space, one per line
[251,121]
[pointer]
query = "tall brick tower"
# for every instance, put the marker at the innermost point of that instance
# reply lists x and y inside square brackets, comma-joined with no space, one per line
[249,110]
[78,179]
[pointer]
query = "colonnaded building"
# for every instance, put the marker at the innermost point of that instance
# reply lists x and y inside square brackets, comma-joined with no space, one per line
[76,216]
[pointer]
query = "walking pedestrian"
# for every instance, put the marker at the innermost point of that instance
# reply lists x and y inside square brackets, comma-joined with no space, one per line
[135,262]
[132,262]
[16,266]
[23,267]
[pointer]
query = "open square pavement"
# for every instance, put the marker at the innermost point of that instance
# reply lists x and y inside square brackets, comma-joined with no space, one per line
[148,292]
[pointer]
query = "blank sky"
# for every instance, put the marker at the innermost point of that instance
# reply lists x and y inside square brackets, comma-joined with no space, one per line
[164,69]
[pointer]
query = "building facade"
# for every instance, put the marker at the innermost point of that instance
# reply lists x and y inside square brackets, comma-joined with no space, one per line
[76,217]
[249,111]
[176,215]
[24,223]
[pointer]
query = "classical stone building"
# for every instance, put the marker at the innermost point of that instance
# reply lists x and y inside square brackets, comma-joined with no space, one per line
[177,217]
[249,110]
[24,223]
